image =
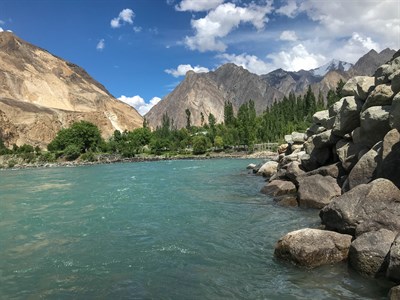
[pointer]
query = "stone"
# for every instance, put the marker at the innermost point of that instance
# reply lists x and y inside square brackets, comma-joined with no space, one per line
[376,204]
[389,162]
[286,200]
[348,118]
[374,124]
[316,191]
[368,252]
[313,247]
[325,139]
[347,152]
[279,188]
[382,95]
[394,293]
[335,107]
[283,148]
[365,169]
[393,271]
[395,82]
[318,157]
[268,169]
[315,129]
[394,113]
[334,170]
[322,118]
[288,139]
[293,171]
[356,135]
[359,86]
[298,137]
[384,72]
[251,166]
[291,157]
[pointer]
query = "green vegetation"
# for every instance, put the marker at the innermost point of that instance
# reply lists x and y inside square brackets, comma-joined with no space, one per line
[239,131]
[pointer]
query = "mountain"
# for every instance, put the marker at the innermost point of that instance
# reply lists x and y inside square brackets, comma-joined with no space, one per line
[368,63]
[333,65]
[41,93]
[205,93]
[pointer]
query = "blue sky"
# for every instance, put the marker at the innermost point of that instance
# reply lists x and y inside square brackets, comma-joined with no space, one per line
[141,49]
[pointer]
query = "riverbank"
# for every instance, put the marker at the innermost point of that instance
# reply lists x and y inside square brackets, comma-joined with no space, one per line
[15,162]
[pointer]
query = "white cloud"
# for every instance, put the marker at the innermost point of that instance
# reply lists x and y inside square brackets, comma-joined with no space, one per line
[250,62]
[100,45]
[198,5]
[139,104]
[297,58]
[181,70]
[289,10]
[288,35]
[137,29]
[218,23]
[125,16]
[1,29]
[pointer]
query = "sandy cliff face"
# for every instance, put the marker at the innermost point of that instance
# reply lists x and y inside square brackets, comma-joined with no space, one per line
[41,93]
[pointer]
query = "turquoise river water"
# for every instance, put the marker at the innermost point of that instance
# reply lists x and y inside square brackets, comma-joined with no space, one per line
[155,230]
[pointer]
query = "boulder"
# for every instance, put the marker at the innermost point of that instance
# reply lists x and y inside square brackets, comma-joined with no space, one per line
[251,166]
[316,191]
[335,108]
[394,293]
[382,95]
[313,247]
[318,157]
[288,139]
[283,148]
[356,135]
[348,117]
[365,169]
[384,72]
[348,152]
[268,169]
[395,78]
[293,171]
[368,252]
[334,170]
[279,188]
[359,86]
[393,271]
[389,162]
[394,113]
[325,139]
[315,129]
[375,205]
[286,200]
[374,124]
[324,119]
[298,137]
[291,157]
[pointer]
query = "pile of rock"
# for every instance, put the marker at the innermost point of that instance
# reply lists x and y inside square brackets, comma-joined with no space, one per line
[348,165]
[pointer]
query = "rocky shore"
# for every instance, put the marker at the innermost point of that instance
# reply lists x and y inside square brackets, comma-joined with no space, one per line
[347,165]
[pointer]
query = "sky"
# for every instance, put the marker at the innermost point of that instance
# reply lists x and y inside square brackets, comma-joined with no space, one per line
[141,49]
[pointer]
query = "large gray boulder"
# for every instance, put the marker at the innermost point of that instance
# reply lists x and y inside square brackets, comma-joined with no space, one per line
[298,137]
[389,162]
[382,95]
[316,191]
[359,86]
[268,169]
[374,124]
[384,72]
[394,293]
[335,108]
[348,118]
[368,252]
[393,271]
[394,113]
[365,169]
[366,207]
[395,81]
[313,247]
[279,188]
[324,119]
[347,151]
[324,139]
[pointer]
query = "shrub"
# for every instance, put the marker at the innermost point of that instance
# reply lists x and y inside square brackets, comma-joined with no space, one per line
[88,156]
[72,152]
[199,145]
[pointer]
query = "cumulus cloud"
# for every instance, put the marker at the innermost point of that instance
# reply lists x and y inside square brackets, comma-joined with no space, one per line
[288,35]
[219,22]
[1,29]
[250,62]
[125,16]
[181,70]
[139,104]
[297,58]
[290,9]
[198,5]
[100,45]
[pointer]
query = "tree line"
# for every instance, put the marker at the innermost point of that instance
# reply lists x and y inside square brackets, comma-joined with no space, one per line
[239,130]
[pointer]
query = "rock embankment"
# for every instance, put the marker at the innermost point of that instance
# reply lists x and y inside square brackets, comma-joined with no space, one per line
[348,166]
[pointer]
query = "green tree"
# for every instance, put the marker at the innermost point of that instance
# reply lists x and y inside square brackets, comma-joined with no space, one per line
[188,121]
[199,144]
[229,117]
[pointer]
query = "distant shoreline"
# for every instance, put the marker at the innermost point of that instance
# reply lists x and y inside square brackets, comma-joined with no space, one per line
[113,159]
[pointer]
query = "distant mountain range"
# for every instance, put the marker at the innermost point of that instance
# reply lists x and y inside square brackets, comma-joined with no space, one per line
[205,93]
[41,93]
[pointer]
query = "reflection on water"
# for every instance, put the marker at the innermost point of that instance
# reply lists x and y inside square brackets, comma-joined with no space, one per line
[161,230]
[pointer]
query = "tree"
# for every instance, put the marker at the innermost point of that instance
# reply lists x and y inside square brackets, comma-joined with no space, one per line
[85,135]
[229,118]
[188,121]
[202,119]
[199,144]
